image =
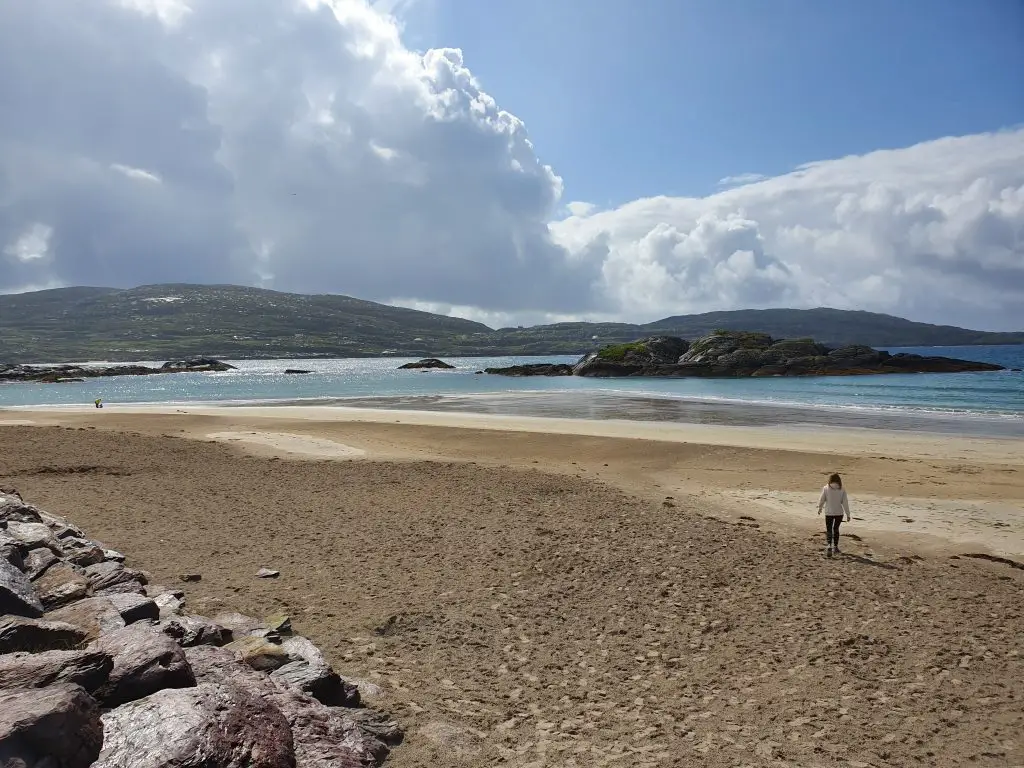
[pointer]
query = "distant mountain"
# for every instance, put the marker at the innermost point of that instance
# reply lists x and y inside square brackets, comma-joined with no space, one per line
[160,322]
[163,322]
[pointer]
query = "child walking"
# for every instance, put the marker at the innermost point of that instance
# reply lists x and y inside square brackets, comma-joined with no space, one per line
[834,497]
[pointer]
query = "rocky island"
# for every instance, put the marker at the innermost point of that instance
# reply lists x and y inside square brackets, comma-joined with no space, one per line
[427,363]
[733,354]
[59,374]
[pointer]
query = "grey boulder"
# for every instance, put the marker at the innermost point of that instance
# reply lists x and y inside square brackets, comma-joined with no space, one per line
[56,727]
[134,607]
[195,630]
[209,726]
[93,615]
[239,624]
[18,633]
[145,661]
[169,604]
[37,561]
[11,550]
[60,585]
[310,673]
[13,509]
[89,669]
[109,575]
[33,535]
[16,594]
[81,551]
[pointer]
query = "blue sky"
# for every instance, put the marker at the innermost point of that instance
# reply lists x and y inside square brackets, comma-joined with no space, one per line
[631,98]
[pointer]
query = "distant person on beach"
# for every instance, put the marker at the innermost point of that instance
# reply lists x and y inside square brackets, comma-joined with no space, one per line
[99,402]
[833,496]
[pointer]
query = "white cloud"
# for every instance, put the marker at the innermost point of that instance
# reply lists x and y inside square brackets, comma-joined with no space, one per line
[138,174]
[300,145]
[741,179]
[934,231]
[32,245]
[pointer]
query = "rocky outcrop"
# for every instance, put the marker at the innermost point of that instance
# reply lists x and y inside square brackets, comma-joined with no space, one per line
[57,726]
[82,634]
[533,369]
[427,362]
[62,374]
[196,364]
[734,354]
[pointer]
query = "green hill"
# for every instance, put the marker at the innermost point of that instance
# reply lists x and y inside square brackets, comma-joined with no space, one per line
[162,322]
[169,321]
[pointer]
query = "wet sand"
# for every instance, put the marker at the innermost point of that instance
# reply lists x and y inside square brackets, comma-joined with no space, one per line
[524,594]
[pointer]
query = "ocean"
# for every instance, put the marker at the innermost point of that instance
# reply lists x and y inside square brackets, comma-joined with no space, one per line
[973,403]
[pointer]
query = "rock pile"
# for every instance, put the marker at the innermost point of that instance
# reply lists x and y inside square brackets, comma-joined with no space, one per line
[100,667]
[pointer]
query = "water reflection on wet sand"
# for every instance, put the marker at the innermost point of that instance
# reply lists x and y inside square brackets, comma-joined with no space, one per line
[602,406]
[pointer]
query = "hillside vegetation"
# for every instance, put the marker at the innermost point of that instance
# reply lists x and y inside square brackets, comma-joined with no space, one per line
[162,322]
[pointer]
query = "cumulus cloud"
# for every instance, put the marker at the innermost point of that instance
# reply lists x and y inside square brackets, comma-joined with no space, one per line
[298,144]
[934,232]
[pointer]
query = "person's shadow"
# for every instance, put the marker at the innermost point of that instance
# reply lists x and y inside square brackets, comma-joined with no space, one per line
[867,561]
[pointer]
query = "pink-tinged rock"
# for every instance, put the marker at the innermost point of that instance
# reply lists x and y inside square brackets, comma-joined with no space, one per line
[213,726]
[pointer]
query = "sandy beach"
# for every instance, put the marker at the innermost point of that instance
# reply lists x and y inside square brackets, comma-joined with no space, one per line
[562,592]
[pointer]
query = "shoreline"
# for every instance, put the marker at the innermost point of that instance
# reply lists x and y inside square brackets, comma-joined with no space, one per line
[934,492]
[621,406]
[800,436]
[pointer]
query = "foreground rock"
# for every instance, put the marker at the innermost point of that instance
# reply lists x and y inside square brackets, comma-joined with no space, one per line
[17,597]
[56,726]
[145,661]
[54,374]
[734,354]
[35,635]
[94,616]
[177,690]
[427,362]
[88,669]
[325,737]
[208,725]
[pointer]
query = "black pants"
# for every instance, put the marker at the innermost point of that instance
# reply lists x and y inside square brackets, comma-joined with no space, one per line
[832,529]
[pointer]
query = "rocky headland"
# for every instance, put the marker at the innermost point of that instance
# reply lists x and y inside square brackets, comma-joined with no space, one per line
[100,667]
[733,354]
[58,374]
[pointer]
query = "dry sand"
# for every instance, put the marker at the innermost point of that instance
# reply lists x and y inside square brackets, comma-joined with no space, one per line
[523,595]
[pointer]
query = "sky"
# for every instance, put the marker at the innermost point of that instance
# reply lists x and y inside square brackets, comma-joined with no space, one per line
[524,162]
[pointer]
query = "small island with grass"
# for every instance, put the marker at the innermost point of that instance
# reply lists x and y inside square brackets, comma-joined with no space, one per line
[733,354]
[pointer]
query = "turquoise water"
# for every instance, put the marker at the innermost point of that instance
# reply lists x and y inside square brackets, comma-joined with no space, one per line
[376,381]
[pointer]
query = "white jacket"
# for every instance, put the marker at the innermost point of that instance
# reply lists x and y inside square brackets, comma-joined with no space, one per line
[836,500]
